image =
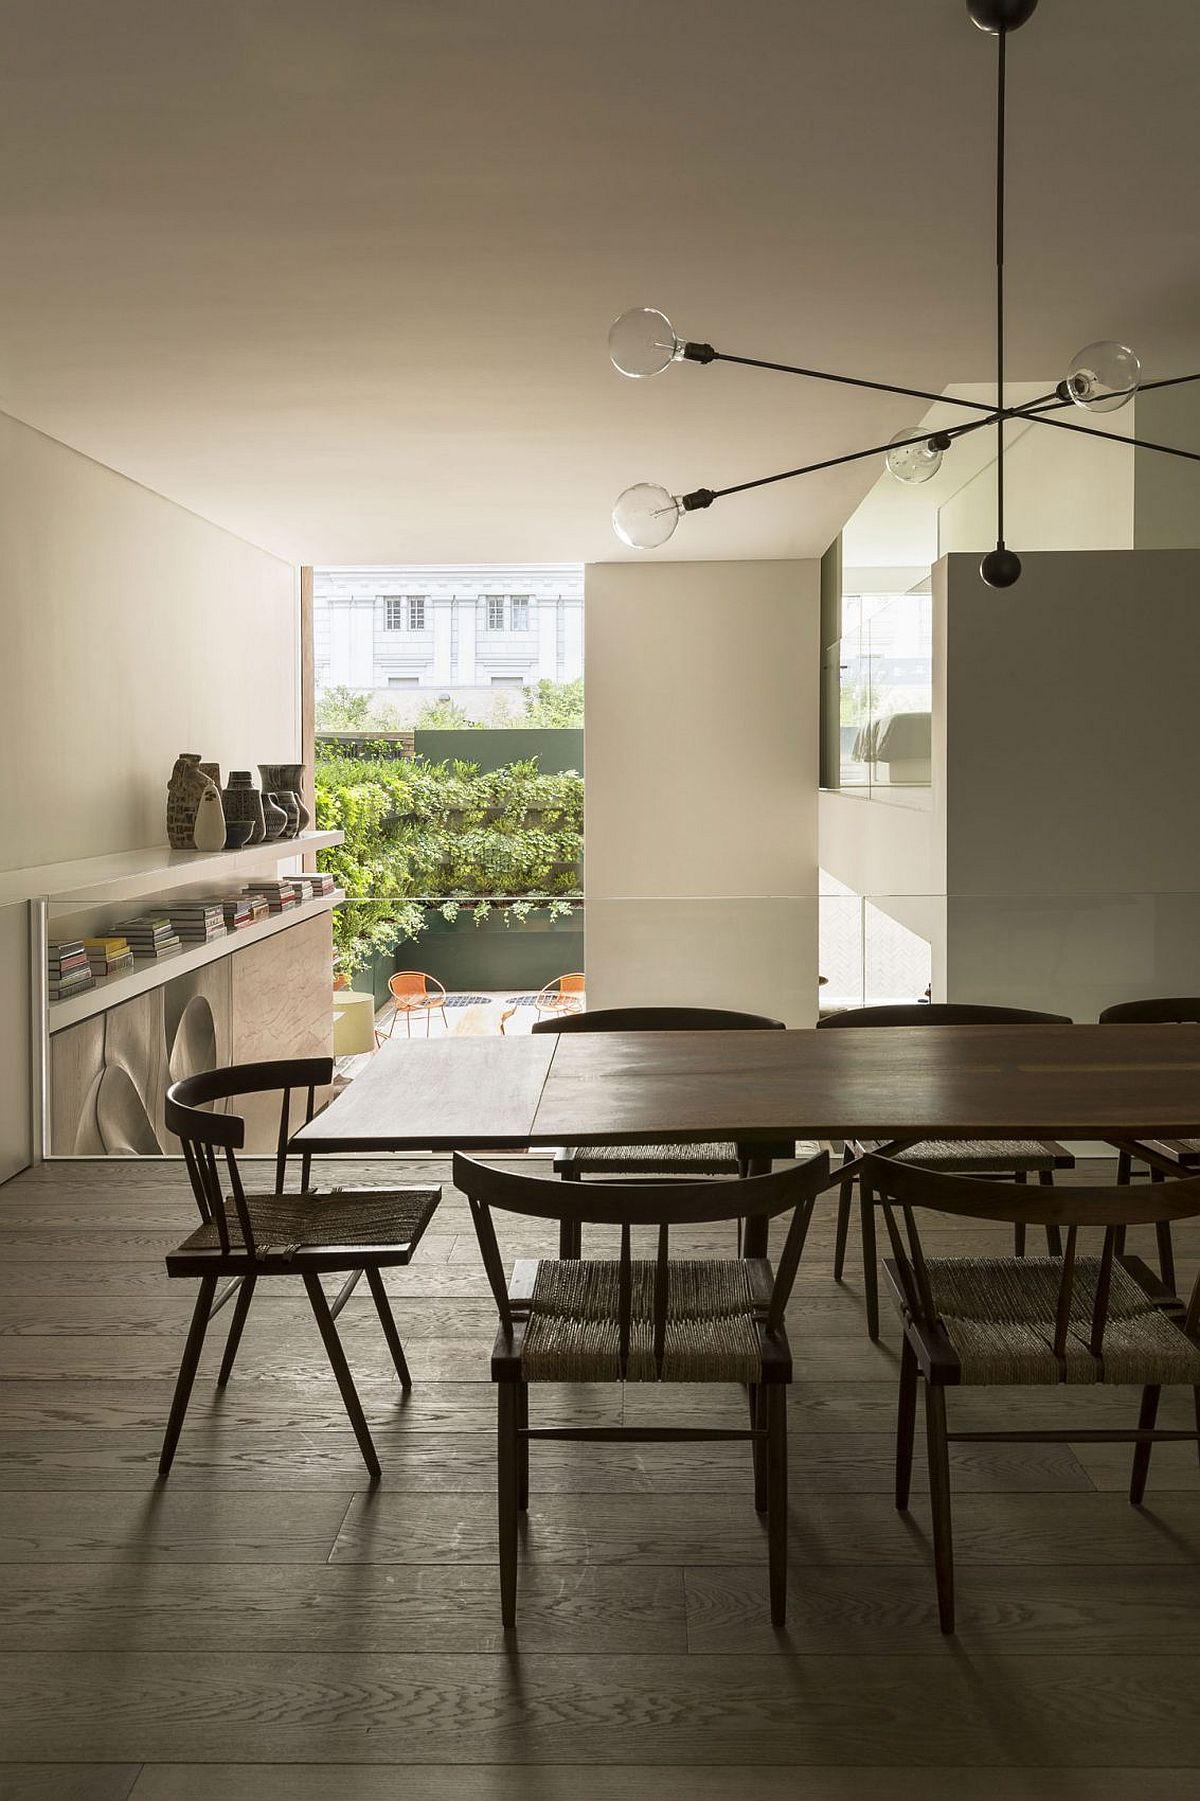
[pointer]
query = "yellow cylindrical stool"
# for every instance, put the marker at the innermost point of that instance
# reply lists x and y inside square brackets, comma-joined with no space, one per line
[353,1022]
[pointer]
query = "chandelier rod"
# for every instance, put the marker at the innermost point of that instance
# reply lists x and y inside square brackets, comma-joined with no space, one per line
[1001,39]
[1091,431]
[704,497]
[850,381]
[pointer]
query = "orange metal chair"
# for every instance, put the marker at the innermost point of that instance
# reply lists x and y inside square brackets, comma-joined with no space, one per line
[413,991]
[564,995]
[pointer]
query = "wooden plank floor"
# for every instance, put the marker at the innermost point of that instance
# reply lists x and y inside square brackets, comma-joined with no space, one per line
[263,1627]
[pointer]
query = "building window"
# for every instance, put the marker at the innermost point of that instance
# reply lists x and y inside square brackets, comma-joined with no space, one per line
[507,681]
[405,612]
[495,613]
[519,617]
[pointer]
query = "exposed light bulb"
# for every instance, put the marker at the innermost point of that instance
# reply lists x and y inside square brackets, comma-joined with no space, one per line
[1102,377]
[642,342]
[910,462]
[645,516]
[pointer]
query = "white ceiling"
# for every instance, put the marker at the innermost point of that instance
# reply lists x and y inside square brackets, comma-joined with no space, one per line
[339,275]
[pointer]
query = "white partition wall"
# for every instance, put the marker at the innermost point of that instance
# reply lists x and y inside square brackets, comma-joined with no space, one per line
[1072,860]
[133,630]
[701,746]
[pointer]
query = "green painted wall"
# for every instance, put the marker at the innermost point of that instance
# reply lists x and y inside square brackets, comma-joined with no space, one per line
[556,748]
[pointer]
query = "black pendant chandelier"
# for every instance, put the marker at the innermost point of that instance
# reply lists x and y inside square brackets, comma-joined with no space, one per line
[1102,377]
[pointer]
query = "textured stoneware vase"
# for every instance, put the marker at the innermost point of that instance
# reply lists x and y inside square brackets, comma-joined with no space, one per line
[283,797]
[242,801]
[209,830]
[287,778]
[185,790]
[275,817]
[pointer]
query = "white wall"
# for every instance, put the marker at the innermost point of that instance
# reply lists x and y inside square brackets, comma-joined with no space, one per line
[1167,515]
[1073,874]
[132,630]
[701,762]
[1062,492]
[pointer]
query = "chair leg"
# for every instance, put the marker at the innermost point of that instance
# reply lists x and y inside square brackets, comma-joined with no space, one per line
[1019,1225]
[388,1322]
[241,1308]
[1166,1250]
[192,1348]
[570,1232]
[341,1370]
[939,1495]
[1141,1454]
[777,1498]
[906,1424]
[845,1203]
[507,1497]
[522,1447]
[1124,1168]
[758,1446]
[870,1266]
[1054,1242]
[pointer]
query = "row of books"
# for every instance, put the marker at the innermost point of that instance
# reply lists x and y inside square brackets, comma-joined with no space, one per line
[74,964]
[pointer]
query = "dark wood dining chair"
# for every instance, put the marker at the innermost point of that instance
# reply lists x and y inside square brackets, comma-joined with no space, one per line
[1163,1157]
[1030,1322]
[664,1319]
[1005,1159]
[626,1162]
[245,1236]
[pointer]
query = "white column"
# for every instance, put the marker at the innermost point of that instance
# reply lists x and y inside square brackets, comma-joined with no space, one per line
[442,672]
[547,638]
[468,616]
[701,747]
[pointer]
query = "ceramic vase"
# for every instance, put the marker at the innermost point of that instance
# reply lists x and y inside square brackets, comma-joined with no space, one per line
[213,772]
[209,830]
[242,801]
[237,833]
[283,797]
[185,790]
[287,778]
[275,819]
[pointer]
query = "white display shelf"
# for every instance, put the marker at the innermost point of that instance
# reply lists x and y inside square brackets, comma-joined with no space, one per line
[110,991]
[128,875]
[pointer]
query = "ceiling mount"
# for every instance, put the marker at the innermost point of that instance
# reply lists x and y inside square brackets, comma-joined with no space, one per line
[1100,378]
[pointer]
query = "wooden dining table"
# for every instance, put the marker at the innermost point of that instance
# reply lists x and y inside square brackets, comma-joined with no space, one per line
[766,1089]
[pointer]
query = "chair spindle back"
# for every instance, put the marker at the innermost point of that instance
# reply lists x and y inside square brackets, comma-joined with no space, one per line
[903,1188]
[626,1204]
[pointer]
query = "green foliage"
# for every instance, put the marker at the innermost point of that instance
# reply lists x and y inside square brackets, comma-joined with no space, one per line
[440,835]
[349,710]
[443,715]
[553,704]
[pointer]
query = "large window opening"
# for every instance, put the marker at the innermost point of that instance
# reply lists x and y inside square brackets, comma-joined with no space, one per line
[449,750]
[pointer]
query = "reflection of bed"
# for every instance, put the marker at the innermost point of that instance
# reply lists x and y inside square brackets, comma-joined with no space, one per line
[903,742]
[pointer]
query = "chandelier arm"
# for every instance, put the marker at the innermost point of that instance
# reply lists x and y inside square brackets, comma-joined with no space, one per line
[1056,404]
[851,381]
[853,456]
[1089,431]
[1001,38]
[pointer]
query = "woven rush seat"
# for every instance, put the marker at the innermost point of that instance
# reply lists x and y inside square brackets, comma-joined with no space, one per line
[998,1313]
[979,1156]
[711,1331]
[285,1223]
[716,1159]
